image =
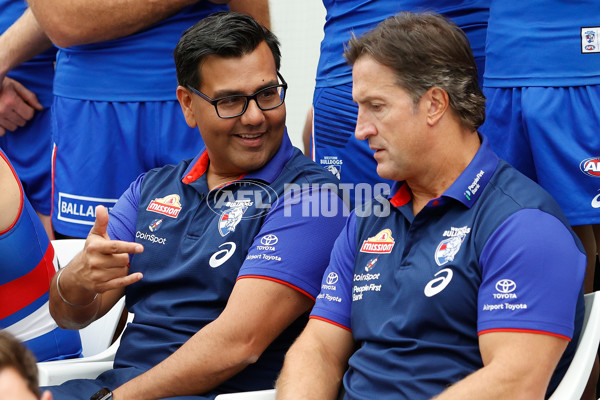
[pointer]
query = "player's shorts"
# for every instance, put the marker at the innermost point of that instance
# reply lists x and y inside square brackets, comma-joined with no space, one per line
[101,147]
[29,149]
[552,135]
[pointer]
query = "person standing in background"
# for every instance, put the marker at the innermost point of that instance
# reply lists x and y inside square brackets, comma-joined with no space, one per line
[542,83]
[333,143]
[25,101]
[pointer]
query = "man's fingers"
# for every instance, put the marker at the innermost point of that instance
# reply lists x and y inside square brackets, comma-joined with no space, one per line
[28,96]
[100,223]
[8,124]
[121,282]
[113,247]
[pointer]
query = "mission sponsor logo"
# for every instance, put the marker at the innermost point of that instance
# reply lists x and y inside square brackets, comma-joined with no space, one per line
[169,205]
[382,243]
[591,167]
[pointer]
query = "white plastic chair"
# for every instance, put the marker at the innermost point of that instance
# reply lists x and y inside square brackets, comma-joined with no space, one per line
[573,383]
[257,395]
[97,351]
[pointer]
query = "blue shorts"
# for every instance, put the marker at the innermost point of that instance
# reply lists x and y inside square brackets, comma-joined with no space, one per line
[551,134]
[101,147]
[30,151]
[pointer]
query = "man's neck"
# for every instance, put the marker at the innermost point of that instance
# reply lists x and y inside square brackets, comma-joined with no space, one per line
[215,180]
[444,169]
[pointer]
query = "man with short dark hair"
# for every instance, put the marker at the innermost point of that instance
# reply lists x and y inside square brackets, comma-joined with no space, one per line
[461,291]
[225,263]
[18,371]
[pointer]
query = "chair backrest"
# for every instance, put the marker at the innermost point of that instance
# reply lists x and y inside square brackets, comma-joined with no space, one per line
[66,249]
[573,383]
[97,336]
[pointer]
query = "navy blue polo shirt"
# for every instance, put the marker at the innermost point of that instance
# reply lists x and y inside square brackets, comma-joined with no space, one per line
[493,253]
[198,242]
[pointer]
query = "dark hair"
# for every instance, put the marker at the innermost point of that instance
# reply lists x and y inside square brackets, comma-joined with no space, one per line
[13,354]
[224,34]
[426,50]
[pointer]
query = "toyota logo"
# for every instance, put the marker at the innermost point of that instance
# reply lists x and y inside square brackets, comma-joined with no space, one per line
[332,278]
[269,240]
[505,286]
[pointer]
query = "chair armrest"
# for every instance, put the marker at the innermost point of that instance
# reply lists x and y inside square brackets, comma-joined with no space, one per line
[50,373]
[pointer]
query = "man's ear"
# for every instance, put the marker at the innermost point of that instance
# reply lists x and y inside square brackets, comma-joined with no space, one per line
[46,395]
[438,102]
[185,101]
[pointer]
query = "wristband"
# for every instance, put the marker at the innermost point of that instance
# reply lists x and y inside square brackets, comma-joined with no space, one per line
[65,300]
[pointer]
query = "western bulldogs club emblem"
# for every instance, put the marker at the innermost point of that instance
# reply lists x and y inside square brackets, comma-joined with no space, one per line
[335,170]
[230,218]
[590,36]
[447,249]
[155,225]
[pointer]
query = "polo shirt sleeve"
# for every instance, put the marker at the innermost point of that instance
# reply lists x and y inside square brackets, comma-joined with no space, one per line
[294,243]
[532,275]
[123,216]
[333,304]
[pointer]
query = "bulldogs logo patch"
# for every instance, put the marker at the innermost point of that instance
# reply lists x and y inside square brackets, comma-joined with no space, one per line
[230,218]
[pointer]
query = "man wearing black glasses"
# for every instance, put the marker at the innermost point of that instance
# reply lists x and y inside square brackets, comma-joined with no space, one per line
[217,260]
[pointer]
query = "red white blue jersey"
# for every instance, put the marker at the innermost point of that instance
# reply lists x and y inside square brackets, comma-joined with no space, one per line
[543,43]
[493,253]
[198,242]
[26,270]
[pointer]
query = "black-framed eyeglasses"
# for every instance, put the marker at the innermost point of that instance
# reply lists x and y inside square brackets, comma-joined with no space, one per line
[235,105]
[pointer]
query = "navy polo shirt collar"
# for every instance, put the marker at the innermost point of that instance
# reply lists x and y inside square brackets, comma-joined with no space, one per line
[466,188]
[470,184]
[268,173]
